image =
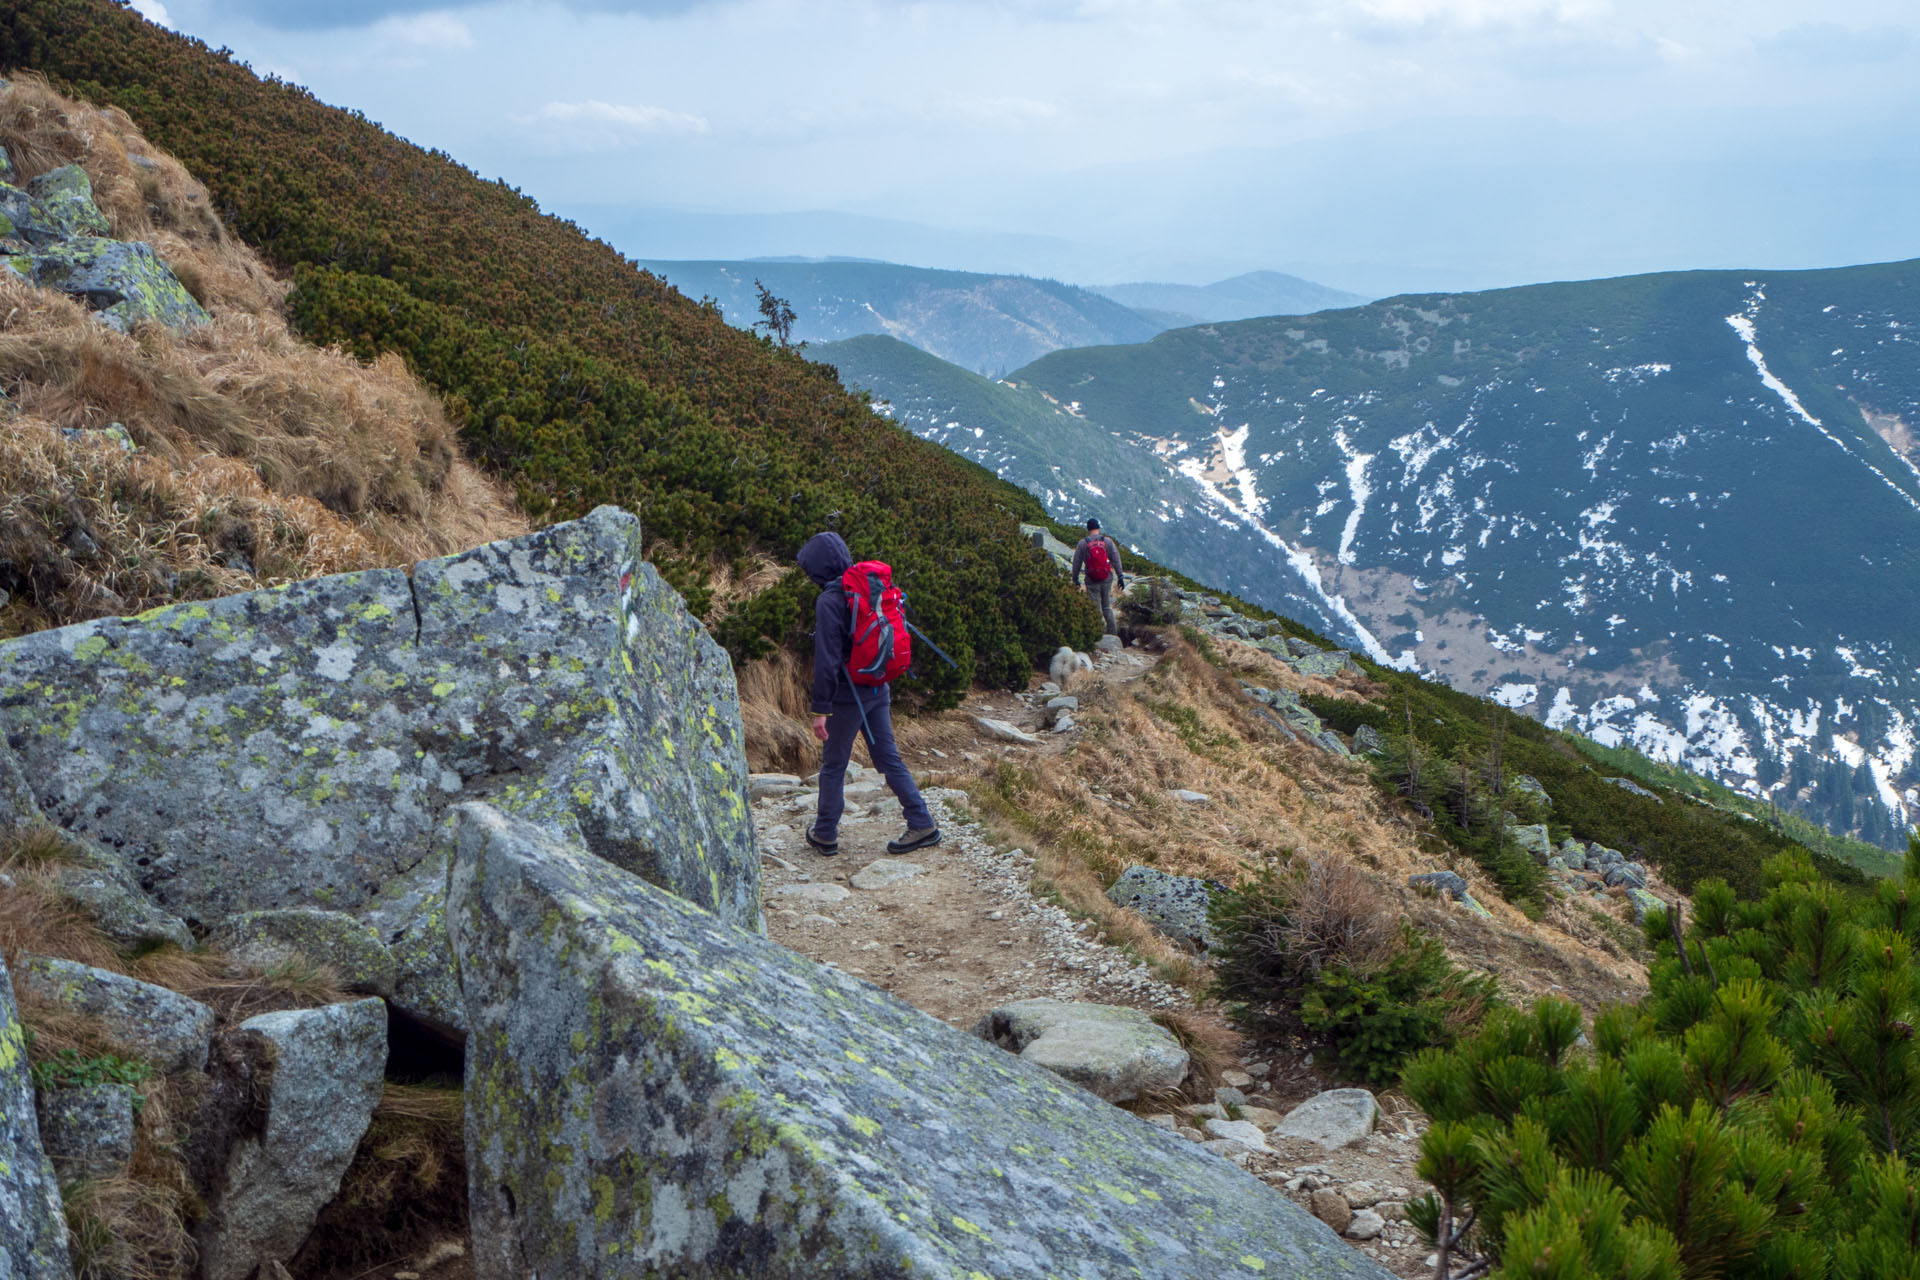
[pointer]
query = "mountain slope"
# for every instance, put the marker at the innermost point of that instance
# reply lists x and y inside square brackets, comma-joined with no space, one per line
[987,323]
[1257,293]
[570,373]
[1075,466]
[1676,511]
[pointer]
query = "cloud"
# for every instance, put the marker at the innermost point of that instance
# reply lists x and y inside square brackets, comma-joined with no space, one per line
[153,11]
[605,126]
[1830,44]
[299,15]
[436,30]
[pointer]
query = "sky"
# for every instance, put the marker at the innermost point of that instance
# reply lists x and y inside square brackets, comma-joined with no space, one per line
[1374,145]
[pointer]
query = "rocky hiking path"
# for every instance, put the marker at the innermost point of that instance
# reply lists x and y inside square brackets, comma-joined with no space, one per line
[956,931]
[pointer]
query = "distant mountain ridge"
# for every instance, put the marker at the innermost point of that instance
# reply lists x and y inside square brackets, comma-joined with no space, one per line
[1679,511]
[1256,293]
[987,323]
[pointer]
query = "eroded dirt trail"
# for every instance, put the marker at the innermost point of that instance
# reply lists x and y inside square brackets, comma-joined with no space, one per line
[956,931]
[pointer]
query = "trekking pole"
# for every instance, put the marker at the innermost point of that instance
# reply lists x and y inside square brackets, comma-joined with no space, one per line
[931,645]
[859,706]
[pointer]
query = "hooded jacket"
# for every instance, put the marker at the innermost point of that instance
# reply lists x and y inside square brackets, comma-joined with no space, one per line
[823,559]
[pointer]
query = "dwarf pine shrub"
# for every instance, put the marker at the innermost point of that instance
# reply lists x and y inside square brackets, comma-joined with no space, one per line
[1751,1118]
[1313,950]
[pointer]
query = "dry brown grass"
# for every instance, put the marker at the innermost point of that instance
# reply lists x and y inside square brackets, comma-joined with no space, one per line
[145,194]
[774,700]
[36,916]
[1102,804]
[1212,1048]
[261,459]
[404,1198]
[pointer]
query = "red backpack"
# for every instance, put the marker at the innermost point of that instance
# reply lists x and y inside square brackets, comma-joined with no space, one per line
[1099,567]
[882,650]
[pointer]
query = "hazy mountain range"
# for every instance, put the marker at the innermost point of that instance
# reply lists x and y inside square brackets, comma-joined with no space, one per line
[981,321]
[1680,511]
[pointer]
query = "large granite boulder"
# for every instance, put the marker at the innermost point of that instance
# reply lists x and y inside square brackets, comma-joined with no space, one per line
[143,1020]
[297,747]
[1175,905]
[1111,1051]
[327,1080]
[123,280]
[33,1243]
[651,1091]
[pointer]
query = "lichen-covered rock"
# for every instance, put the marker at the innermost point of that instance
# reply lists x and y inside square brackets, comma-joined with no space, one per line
[1628,784]
[1175,905]
[1325,665]
[97,883]
[1335,1118]
[1451,883]
[1641,901]
[351,947]
[124,281]
[18,808]
[66,194]
[409,916]
[1367,741]
[297,747]
[1111,1051]
[1534,839]
[144,1021]
[653,1092]
[33,1244]
[327,1079]
[86,1130]
[1529,785]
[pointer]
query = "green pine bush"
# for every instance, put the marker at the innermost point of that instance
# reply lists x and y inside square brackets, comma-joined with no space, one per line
[1750,1119]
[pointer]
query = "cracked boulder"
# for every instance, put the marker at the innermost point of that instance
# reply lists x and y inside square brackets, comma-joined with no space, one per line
[651,1091]
[327,1079]
[298,747]
[33,1244]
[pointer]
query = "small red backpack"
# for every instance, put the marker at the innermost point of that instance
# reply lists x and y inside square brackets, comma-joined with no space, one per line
[882,650]
[1099,567]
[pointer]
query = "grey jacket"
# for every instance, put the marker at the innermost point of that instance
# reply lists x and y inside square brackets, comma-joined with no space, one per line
[1113,556]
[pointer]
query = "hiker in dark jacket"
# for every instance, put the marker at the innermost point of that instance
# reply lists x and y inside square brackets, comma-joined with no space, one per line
[1101,588]
[837,718]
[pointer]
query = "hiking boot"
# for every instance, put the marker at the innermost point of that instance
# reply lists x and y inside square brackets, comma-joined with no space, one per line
[914,838]
[825,848]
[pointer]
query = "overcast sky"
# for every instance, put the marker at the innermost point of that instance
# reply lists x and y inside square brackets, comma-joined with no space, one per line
[1378,144]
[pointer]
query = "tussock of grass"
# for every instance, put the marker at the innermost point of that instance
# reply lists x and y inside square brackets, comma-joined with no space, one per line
[774,701]
[261,459]
[1212,1049]
[404,1196]
[36,916]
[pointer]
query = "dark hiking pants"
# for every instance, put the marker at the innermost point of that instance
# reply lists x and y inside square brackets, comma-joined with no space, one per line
[843,726]
[1102,593]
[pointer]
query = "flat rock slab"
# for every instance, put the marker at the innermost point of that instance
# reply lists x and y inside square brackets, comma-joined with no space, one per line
[727,1108]
[818,894]
[1005,732]
[1112,1051]
[145,1021]
[1336,1118]
[296,747]
[327,1079]
[880,873]
[33,1243]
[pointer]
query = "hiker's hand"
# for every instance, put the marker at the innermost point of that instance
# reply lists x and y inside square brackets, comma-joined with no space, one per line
[820,728]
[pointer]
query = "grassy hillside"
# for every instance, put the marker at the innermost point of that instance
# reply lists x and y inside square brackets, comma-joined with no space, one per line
[987,323]
[571,373]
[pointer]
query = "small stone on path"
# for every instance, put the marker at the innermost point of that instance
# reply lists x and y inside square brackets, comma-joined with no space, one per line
[880,874]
